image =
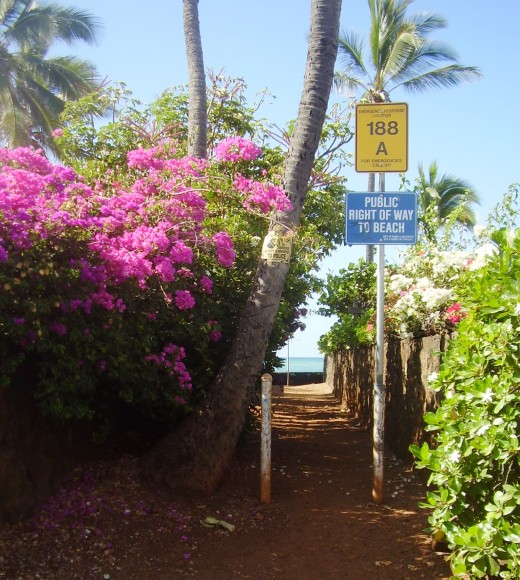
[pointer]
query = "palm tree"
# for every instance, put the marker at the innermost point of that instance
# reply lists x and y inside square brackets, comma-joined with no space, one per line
[34,87]
[400,55]
[197,107]
[445,196]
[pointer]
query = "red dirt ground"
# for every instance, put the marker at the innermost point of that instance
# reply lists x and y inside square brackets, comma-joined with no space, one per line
[321,524]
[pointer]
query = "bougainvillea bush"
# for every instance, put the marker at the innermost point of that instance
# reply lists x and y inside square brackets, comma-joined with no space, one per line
[107,289]
[474,462]
[99,129]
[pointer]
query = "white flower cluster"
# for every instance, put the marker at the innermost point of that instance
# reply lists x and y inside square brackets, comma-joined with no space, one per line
[422,288]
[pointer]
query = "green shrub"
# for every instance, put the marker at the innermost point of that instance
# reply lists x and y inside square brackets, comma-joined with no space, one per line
[475,459]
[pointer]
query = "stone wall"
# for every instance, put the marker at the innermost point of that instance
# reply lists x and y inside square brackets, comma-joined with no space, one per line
[35,454]
[408,363]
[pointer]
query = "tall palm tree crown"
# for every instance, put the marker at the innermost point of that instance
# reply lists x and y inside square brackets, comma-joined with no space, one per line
[400,54]
[34,87]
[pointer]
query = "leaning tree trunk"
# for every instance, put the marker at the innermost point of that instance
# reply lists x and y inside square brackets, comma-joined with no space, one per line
[197,106]
[197,453]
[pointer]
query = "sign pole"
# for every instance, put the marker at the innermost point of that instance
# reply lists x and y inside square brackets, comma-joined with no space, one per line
[379,385]
[381,146]
[288,364]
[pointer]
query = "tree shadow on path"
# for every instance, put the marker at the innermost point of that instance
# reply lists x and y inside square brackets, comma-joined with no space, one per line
[323,524]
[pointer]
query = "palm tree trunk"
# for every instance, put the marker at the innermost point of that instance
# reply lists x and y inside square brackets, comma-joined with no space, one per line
[197,106]
[196,455]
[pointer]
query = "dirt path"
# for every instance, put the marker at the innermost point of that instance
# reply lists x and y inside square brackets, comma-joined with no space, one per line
[320,524]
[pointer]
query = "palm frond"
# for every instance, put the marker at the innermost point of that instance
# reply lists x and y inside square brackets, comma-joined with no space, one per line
[350,51]
[398,55]
[401,55]
[348,83]
[449,76]
[34,88]
[452,196]
[66,76]
[427,22]
[70,24]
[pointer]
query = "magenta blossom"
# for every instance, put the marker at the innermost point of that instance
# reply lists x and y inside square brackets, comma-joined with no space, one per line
[214,333]
[171,359]
[236,149]
[455,313]
[58,328]
[224,249]
[164,269]
[206,284]
[264,196]
[184,300]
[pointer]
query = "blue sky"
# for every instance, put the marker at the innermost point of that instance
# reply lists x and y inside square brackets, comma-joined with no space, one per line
[472,131]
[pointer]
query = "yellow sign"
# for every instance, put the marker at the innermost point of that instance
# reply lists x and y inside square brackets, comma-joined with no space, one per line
[382,137]
[277,248]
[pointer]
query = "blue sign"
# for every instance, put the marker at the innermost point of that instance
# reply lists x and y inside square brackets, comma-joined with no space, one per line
[381,218]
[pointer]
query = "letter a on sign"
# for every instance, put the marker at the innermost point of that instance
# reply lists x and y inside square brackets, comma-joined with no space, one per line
[381,150]
[382,137]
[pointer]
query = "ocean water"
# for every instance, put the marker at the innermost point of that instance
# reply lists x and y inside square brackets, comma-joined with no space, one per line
[303,364]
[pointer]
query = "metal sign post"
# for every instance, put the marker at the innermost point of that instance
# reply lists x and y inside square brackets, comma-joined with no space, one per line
[379,219]
[378,449]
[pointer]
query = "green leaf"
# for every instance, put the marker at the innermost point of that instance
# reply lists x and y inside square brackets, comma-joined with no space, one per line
[493,566]
[227,525]
[211,522]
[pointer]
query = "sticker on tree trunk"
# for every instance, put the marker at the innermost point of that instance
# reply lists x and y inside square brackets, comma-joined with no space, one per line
[277,248]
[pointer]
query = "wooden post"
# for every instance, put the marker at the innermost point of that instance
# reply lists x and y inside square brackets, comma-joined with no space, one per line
[265,459]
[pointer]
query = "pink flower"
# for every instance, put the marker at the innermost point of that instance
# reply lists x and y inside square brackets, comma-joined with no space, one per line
[57,133]
[224,249]
[184,300]
[145,159]
[236,149]
[171,359]
[180,252]
[206,284]
[215,335]
[264,196]
[58,328]
[454,313]
[164,269]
